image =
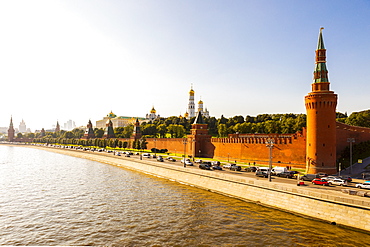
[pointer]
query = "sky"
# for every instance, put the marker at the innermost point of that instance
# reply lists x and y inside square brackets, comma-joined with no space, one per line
[81,59]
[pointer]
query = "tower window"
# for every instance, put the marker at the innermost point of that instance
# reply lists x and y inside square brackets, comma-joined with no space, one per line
[328,126]
[323,144]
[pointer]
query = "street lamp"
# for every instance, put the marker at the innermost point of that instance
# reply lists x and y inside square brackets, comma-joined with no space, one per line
[199,153]
[185,141]
[350,140]
[228,157]
[155,147]
[270,145]
[141,148]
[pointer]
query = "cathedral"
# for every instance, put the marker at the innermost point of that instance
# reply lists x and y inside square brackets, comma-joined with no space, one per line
[191,107]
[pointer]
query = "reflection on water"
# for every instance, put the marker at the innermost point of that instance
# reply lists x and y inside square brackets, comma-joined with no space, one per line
[52,199]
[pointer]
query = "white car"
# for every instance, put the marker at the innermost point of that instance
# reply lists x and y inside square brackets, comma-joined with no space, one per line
[227,166]
[365,185]
[337,181]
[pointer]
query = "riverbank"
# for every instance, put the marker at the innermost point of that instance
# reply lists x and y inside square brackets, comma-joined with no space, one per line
[333,207]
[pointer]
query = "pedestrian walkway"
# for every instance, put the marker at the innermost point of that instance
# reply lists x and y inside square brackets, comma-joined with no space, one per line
[357,169]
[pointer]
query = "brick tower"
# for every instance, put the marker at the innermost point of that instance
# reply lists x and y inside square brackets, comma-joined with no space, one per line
[89,133]
[11,130]
[199,137]
[321,118]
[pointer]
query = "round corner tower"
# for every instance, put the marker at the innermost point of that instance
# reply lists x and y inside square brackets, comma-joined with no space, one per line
[321,106]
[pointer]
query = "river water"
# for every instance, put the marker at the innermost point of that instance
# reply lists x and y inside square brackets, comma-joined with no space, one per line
[53,199]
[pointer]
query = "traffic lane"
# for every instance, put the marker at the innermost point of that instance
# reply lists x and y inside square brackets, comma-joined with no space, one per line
[252,175]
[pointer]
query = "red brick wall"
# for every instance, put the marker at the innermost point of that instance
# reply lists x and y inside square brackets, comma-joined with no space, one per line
[288,150]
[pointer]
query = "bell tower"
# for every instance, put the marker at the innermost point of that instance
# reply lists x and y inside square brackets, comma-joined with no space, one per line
[11,130]
[321,106]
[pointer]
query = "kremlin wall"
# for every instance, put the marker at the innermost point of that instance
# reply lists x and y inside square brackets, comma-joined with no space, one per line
[315,148]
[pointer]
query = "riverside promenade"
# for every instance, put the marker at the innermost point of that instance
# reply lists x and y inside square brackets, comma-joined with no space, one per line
[331,206]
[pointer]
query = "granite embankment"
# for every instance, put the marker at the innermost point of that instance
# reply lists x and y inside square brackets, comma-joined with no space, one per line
[332,206]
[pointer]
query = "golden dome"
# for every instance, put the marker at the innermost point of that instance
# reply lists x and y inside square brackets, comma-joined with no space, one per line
[186,115]
[200,102]
[153,110]
[191,92]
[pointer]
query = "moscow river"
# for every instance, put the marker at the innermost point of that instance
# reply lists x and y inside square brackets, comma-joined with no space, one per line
[53,199]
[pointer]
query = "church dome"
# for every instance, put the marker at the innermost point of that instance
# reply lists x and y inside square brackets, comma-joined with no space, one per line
[191,92]
[111,115]
[153,110]
[200,102]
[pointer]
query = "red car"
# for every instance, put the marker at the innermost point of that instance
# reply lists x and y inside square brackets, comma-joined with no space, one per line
[320,181]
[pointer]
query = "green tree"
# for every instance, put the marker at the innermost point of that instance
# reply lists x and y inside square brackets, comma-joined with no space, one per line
[222,130]
[98,133]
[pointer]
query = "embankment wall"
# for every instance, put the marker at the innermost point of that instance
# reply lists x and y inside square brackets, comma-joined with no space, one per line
[331,206]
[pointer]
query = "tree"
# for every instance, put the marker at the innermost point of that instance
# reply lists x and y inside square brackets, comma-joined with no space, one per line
[222,130]
[19,135]
[162,129]
[98,132]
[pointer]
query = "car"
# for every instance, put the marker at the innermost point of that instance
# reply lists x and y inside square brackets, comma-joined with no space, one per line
[146,155]
[347,178]
[154,156]
[187,162]
[216,163]
[235,167]
[337,181]
[204,166]
[261,173]
[321,175]
[160,159]
[227,166]
[320,181]
[308,177]
[127,155]
[285,175]
[217,167]
[330,177]
[170,159]
[250,169]
[365,185]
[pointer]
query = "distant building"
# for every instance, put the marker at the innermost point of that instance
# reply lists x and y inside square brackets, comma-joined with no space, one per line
[11,130]
[120,121]
[191,107]
[152,115]
[69,125]
[22,127]
[57,128]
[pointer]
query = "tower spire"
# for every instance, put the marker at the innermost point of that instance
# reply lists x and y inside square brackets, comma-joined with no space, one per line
[320,74]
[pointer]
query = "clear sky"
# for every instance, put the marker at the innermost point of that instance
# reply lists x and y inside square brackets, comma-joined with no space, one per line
[80,59]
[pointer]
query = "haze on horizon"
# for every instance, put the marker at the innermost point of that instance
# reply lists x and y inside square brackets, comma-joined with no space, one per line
[79,60]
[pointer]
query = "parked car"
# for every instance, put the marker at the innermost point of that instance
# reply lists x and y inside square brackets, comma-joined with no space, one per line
[365,185]
[171,159]
[321,175]
[320,181]
[285,174]
[127,155]
[308,177]
[146,155]
[216,167]
[204,166]
[278,169]
[227,166]
[160,159]
[235,167]
[187,162]
[260,173]
[337,181]
[251,169]
[347,178]
[216,163]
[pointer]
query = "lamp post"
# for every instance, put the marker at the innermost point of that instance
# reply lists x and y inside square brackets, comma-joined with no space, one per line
[350,140]
[141,148]
[228,157]
[270,145]
[155,147]
[199,153]
[184,141]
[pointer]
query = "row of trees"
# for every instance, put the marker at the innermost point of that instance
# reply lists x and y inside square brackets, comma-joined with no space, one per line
[102,143]
[178,127]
